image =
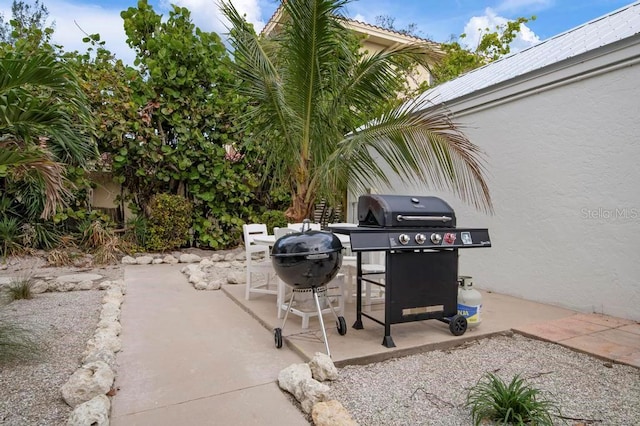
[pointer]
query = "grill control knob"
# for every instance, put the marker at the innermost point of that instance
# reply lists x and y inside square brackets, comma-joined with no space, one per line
[404,239]
[420,238]
[436,238]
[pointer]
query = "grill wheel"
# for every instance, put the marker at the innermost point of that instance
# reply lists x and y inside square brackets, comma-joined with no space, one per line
[277,337]
[342,326]
[458,325]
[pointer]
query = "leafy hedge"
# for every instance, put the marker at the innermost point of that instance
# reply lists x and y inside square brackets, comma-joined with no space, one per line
[169,222]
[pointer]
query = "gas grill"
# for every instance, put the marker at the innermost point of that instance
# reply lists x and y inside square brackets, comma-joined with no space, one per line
[421,242]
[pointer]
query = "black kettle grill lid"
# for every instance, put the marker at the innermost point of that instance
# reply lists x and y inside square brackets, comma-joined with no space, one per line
[305,243]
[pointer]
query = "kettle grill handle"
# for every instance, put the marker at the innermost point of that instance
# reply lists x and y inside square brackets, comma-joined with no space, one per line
[423,218]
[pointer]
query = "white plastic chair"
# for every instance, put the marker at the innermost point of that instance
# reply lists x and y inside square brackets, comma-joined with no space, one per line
[257,266]
[335,290]
[372,269]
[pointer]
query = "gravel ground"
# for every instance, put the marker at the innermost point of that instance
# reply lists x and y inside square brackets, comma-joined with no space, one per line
[430,388]
[64,322]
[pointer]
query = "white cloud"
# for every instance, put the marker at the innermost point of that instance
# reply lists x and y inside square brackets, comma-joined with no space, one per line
[477,26]
[73,20]
[360,18]
[207,15]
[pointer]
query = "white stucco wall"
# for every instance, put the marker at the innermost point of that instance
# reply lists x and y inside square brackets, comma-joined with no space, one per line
[564,174]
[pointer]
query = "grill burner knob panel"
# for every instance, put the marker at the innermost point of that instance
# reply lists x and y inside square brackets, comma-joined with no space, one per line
[436,238]
[404,239]
[420,238]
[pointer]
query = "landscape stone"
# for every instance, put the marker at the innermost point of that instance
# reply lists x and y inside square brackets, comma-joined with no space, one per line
[90,413]
[100,354]
[128,260]
[215,285]
[76,278]
[313,392]
[87,382]
[189,258]
[322,367]
[157,261]
[144,260]
[292,378]
[236,277]
[62,286]
[40,286]
[331,413]
[84,285]
[171,260]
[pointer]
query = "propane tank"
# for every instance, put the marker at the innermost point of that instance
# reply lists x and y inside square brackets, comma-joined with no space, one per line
[469,301]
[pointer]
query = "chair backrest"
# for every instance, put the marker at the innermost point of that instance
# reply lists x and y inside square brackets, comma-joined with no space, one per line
[249,231]
[281,232]
[298,226]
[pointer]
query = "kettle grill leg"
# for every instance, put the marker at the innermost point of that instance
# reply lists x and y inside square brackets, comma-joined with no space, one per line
[324,332]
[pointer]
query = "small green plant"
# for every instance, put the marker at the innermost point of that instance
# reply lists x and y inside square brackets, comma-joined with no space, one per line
[20,288]
[136,231]
[16,343]
[515,403]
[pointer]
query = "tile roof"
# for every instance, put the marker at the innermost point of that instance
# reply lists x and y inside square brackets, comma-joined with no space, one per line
[615,26]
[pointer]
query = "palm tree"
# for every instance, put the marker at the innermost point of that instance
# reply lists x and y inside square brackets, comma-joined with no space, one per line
[327,115]
[43,129]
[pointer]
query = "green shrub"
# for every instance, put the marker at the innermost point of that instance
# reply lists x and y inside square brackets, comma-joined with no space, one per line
[273,218]
[516,403]
[169,222]
[16,343]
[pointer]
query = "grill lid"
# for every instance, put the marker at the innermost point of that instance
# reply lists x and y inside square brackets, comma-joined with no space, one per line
[309,244]
[404,211]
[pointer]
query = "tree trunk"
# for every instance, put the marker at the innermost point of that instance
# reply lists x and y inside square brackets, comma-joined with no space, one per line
[300,208]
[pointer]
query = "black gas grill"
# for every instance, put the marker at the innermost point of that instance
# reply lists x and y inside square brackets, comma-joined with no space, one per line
[421,242]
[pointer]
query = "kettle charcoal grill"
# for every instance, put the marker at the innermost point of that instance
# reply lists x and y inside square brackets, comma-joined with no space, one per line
[307,261]
[421,242]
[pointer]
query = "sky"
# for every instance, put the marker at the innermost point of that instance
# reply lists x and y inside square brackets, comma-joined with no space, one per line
[437,20]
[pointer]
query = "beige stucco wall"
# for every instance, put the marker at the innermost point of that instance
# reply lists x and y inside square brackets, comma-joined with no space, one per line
[564,177]
[105,193]
[420,75]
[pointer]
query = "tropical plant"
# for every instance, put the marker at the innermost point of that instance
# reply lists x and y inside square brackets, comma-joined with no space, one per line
[10,237]
[492,45]
[324,116]
[516,403]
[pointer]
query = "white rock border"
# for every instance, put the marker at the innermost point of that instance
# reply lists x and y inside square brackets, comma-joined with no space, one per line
[88,386]
[303,381]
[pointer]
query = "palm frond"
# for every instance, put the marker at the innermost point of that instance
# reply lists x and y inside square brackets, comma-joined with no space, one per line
[35,167]
[421,145]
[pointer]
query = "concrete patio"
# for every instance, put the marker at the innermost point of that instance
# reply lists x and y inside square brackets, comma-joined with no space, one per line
[208,357]
[603,336]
